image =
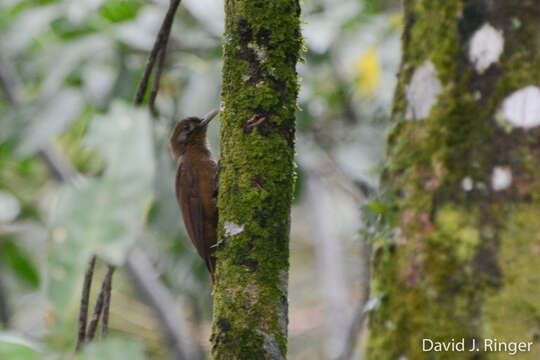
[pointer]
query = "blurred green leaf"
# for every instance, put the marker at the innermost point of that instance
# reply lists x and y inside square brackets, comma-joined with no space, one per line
[112,349]
[16,348]
[20,262]
[377,207]
[120,10]
[103,215]
[66,29]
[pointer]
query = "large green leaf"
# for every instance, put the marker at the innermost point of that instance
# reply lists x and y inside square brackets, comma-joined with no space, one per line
[103,215]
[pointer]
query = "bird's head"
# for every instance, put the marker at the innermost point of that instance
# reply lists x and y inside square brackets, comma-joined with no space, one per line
[188,132]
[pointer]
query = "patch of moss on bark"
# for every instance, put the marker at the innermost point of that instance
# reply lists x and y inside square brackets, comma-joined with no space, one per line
[261,45]
[512,313]
[452,264]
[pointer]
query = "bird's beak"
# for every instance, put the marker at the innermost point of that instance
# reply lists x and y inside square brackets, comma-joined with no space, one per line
[208,117]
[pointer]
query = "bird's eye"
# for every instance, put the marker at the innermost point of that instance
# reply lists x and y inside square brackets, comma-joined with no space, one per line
[185,127]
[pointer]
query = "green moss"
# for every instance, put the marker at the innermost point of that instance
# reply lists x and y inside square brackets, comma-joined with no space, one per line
[452,270]
[460,228]
[426,286]
[512,313]
[261,45]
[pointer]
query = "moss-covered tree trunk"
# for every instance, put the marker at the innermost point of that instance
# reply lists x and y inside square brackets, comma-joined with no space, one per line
[261,44]
[463,179]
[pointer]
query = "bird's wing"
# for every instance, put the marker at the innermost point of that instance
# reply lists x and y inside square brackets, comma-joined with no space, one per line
[188,195]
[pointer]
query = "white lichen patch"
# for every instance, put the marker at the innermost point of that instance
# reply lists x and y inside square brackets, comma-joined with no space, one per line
[501,178]
[522,108]
[486,47]
[422,91]
[372,304]
[477,95]
[259,51]
[467,184]
[232,229]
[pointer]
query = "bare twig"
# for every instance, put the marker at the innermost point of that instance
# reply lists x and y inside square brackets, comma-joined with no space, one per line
[96,314]
[85,296]
[157,79]
[159,44]
[158,298]
[107,283]
[98,307]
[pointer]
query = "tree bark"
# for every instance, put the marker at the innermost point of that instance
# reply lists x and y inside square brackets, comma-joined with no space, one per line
[462,184]
[261,45]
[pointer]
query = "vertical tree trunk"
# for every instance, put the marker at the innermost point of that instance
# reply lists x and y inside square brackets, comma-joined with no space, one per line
[463,182]
[261,44]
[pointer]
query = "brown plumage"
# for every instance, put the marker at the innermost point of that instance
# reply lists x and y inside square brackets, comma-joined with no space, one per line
[196,184]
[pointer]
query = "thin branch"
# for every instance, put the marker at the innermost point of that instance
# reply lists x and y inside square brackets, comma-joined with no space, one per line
[157,79]
[106,302]
[176,332]
[159,44]
[83,311]
[98,307]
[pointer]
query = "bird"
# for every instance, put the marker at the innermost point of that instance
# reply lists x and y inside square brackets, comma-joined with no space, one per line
[196,184]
